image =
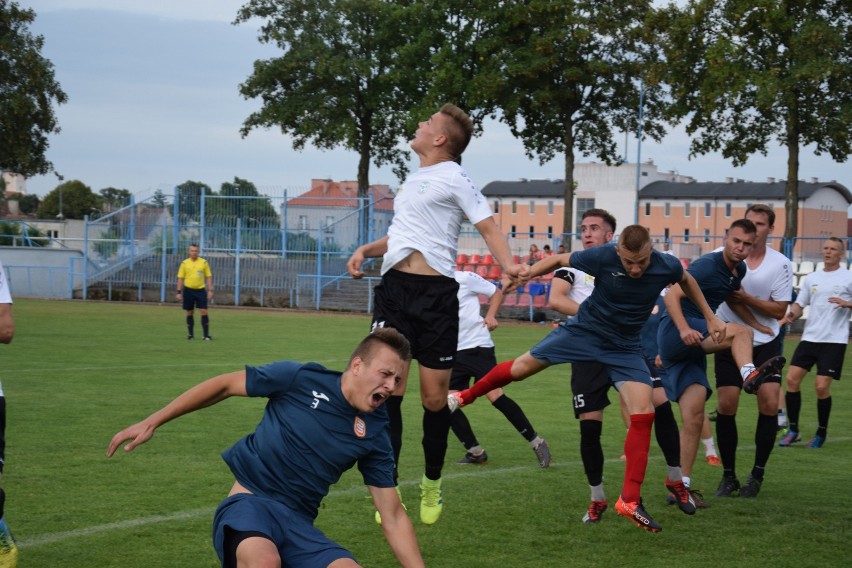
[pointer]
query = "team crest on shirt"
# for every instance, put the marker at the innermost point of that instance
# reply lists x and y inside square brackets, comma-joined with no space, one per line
[424,185]
[360,427]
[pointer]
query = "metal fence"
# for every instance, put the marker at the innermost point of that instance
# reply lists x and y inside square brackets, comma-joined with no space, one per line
[266,251]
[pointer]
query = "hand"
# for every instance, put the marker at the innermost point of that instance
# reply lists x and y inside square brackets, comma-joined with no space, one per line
[765,330]
[787,319]
[354,264]
[839,302]
[691,337]
[737,297]
[658,362]
[717,329]
[490,323]
[139,433]
[210,294]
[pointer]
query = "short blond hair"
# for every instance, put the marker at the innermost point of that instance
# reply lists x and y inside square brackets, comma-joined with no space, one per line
[461,129]
[634,238]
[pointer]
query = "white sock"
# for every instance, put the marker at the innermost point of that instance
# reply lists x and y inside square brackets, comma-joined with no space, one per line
[686,481]
[536,442]
[709,446]
[675,473]
[598,492]
[746,370]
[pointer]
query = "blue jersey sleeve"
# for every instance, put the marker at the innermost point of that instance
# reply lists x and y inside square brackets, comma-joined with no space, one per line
[272,379]
[589,260]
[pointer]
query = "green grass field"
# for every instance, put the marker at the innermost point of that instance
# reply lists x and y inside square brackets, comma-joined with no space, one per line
[77,373]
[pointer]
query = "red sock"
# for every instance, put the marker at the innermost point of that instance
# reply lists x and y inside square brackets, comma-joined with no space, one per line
[636,446]
[499,376]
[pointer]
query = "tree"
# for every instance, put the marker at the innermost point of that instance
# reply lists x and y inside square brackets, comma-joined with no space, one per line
[339,81]
[70,200]
[28,91]
[189,200]
[159,199]
[573,73]
[747,72]
[114,199]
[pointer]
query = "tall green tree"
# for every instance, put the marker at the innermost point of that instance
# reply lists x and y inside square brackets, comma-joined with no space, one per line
[253,209]
[573,72]
[70,200]
[188,198]
[28,93]
[339,80]
[747,73]
[114,198]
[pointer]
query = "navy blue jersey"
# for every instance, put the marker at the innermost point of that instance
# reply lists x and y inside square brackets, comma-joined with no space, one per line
[308,436]
[620,305]
[648,335]
[715,280]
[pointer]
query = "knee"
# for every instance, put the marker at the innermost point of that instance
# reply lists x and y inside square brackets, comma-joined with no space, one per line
[823,391]
[434,403]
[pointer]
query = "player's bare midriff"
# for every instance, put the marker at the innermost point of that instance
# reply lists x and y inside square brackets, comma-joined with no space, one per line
[415,263]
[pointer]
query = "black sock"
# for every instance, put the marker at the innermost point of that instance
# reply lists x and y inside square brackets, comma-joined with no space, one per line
[591,450]
[190,324]
[436,428]
[205,323]
[823,412]
[668,436]
[516,416]
[726,439]
[462,429]
[764,441]
[394,406]
[794,407]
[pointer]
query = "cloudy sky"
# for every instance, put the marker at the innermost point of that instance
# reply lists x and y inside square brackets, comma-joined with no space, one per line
[153,101]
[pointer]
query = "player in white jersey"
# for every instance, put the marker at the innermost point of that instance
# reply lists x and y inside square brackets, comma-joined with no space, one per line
[828,292]
[8,548]
[766,291]
[474,358]
[417,295]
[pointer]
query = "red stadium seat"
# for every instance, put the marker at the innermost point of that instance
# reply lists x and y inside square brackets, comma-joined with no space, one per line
[461,258]
[684,262]
[482,270]
[470,268]
[475,259]
[487,259]
[494,272]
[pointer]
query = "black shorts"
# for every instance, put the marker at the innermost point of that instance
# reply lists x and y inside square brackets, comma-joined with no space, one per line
[425,309]
[474,362]
[589,386]
[828,358]
[194,298]
[727,372]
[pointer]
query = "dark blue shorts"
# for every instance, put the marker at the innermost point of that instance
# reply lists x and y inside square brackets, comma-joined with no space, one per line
[299,543]
[194,298]
[684,364]
[572,344]
[474,362]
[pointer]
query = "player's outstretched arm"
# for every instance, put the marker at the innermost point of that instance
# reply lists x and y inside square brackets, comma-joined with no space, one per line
[749,319]
[200,396]
[397,527]
[550,263]
[370,250]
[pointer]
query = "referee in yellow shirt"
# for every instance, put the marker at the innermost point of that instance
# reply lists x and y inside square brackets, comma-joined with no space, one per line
[192,275]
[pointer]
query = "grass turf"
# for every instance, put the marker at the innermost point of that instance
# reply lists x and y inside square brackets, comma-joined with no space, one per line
[77,373]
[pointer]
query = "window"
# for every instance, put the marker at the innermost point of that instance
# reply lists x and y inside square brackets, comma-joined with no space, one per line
[329,223]
[583,205]
[706,235]
[686,235]
[708,209]
[514,207]
[303,222]
[532,207]
[532,231]
[550,207]
[727,209]
[550,231]
[666,234]
[513,231]
[496,206]
[648,209]
[686,209]
[667,209]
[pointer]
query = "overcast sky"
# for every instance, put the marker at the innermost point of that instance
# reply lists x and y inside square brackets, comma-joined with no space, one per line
[153,101]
